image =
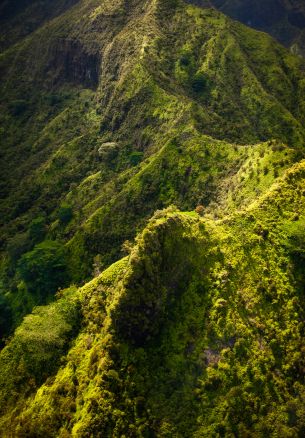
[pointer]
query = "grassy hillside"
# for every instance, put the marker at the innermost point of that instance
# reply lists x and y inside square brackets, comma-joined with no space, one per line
[198,332]
[113,110]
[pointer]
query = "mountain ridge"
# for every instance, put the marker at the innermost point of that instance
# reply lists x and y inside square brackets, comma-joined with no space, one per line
[144,98]
[283,19]
[108,374]
[193,323]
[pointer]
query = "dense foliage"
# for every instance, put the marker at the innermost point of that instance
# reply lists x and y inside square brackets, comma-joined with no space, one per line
[198,332]
[44,268]
[90,152]
[127,108]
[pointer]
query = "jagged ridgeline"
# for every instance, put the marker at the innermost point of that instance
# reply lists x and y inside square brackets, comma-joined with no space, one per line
[110,111]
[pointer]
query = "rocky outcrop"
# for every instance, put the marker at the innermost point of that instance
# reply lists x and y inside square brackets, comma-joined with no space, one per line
[71,62]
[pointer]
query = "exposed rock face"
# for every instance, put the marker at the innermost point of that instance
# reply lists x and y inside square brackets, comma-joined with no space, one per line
[71,62]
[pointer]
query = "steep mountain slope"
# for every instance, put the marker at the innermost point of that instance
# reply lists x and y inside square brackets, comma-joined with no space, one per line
[198,332]
[115,109]
[111,111]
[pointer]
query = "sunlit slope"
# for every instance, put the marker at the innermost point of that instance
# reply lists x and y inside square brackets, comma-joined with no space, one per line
[109,112]
[134,76]
[198,332]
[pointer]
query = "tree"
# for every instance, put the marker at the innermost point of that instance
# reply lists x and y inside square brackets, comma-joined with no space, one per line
[18,245]
[37,229]
[199,83]
[65,214]
[5,317]
[44,269]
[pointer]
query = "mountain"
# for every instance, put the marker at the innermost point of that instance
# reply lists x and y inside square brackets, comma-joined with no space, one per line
[112,112]
[198,332]
[283,19]
[19,18]
[109,113]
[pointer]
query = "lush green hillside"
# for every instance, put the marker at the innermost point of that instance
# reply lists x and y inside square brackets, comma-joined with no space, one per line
[112,111]
[175,124]
[198,332]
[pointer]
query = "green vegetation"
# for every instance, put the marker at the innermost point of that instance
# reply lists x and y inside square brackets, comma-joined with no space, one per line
[37,229]
[198,332]
[173,136]
[44,269]
[35,351]
[97,164]
[65,214]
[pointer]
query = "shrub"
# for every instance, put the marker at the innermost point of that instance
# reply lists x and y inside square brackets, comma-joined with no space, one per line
[135,158]
[185,59]
[200,210]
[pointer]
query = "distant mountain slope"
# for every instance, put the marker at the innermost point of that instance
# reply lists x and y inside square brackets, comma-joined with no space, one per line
[18,18]
[283,19]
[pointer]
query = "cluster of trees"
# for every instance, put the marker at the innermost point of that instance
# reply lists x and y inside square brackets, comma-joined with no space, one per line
[186,73]
[36,268]
[44,269]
